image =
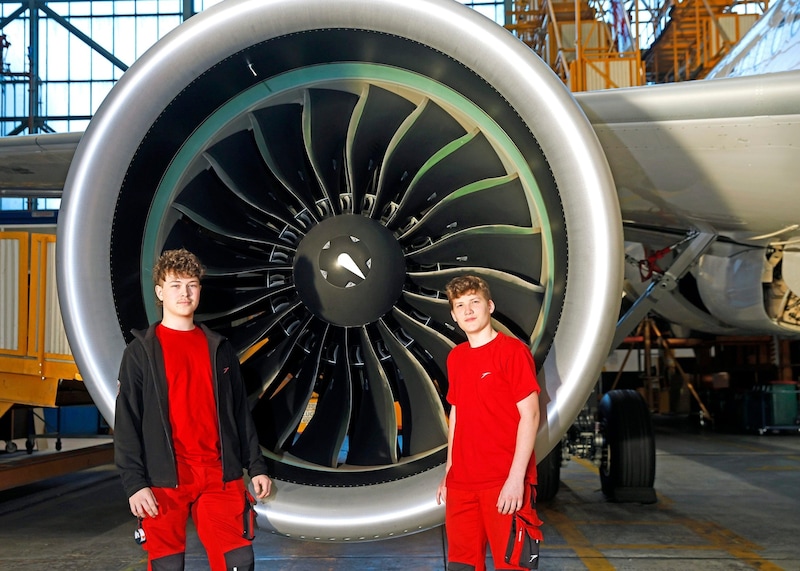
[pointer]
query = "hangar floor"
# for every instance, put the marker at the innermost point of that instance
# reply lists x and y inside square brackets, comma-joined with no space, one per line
[726,501]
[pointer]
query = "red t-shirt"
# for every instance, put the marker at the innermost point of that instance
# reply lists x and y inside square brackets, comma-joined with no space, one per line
[486,383]
[192,404]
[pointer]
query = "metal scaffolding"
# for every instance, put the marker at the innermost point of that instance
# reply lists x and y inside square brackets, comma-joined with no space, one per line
[606,44]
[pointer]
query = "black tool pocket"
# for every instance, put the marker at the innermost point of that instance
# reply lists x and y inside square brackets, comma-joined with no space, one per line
[523,542]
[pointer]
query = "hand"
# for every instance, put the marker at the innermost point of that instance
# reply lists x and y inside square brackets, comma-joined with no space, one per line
[441,493]
[262,486]
[511,497]
[143,503]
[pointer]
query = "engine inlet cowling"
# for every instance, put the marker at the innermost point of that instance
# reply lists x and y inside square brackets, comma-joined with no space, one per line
[334,172]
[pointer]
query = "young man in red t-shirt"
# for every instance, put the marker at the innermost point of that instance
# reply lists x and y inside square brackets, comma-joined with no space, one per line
[494,416]
[183,432]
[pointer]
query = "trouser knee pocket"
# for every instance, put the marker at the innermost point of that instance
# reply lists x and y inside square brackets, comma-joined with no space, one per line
[169,563]
[240,559]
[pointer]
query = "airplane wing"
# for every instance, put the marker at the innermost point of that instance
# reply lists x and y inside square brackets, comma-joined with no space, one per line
[723,153]
[717,158]
[36,165]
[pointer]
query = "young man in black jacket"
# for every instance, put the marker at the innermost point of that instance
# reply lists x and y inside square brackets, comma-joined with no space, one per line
[183,430]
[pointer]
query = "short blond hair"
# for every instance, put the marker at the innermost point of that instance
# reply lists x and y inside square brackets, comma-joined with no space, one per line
[463,285]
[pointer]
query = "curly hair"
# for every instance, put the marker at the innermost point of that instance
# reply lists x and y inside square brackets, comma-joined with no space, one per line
[180,262]
[463,285]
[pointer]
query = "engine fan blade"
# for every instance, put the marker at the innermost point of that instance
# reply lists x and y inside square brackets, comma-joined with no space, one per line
[326,116]
[321,441]
[424,425]
[278,132]
[373,440]
[499,200]
[461,162]
[376,118]
[517,301]
[479,246]
[421,135]
[436,344]
[287,402]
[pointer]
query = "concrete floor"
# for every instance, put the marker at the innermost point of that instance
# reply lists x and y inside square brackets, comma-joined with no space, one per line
[726,501]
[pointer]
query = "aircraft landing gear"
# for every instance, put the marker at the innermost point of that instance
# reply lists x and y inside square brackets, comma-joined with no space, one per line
[617,436]
[628,461]
[548,472]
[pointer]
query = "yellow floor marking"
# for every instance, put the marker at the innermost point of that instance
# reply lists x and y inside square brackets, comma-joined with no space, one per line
[726,540]
[718,538]
[589,556]
[774,469]
[588,465]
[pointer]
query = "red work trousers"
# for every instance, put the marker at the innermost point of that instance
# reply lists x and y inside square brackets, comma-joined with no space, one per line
[217,509]
[472,519]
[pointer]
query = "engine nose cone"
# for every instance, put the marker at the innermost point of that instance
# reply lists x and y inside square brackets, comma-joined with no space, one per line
[349,270]
[345,261]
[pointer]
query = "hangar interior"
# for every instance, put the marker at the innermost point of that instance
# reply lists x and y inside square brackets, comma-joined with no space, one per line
[61,58]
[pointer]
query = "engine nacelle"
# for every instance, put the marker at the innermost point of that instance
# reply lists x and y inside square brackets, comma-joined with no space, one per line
[419,139]
[730,289]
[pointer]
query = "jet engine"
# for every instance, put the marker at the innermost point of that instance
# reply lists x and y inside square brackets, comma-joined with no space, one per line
[334,163]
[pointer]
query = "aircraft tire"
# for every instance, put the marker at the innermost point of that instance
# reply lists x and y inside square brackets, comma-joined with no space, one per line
[549,475]
[627,469]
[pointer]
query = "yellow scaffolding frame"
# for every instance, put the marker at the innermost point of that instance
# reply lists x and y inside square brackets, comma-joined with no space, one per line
[577,44]
[575,38]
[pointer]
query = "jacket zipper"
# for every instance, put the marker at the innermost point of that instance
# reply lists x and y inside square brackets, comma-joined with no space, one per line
[164,419]
[214,350]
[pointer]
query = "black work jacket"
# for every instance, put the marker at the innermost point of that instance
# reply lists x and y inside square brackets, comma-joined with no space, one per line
[143,448]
